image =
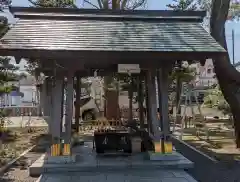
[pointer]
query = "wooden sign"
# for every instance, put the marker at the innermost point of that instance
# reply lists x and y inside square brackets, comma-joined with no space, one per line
[112,141]
[129,68]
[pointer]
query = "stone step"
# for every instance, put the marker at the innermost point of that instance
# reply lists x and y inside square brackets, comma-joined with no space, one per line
[102,164]
[120,176]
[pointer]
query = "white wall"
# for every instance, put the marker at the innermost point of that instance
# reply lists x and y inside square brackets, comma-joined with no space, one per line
[29,93]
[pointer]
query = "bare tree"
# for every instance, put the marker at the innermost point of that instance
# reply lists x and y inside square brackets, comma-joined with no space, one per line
[118,4]
[229,81]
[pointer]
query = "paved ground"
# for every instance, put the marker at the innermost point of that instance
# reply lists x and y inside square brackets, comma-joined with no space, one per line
[215,173]
[127,176]
[110,168]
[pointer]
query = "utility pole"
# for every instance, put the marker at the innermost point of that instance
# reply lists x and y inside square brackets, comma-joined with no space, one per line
[233,46]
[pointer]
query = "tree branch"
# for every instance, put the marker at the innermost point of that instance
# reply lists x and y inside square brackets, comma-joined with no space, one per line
[100,4]
[124,4]
[114,4]
[218,18]
[105,4]
[93,5]
[134,4]
[118,4]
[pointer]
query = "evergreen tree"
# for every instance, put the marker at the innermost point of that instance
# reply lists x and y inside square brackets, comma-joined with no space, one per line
[7,71]
[53,3]
[180,74]
[183,5]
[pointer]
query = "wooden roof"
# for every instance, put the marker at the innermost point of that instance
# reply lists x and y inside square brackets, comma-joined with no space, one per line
[106,35]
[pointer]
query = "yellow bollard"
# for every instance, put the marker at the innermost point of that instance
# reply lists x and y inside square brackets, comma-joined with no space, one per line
[66,149]
[168,148]
[157,147]
[55,150]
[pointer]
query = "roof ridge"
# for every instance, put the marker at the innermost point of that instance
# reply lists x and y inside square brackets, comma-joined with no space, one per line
[101,14]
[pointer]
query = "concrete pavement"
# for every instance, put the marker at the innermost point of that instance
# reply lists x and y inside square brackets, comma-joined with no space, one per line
[121,176]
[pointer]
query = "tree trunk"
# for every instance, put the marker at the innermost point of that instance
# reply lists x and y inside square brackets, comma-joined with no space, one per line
[229,81]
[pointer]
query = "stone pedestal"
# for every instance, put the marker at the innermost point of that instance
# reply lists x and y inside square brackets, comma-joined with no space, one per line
[154,156]
[60,159]
[88,161]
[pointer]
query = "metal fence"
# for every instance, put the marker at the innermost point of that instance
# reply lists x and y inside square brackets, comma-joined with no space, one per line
[15,111]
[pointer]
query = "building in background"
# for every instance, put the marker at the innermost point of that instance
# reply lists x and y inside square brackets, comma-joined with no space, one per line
[24,95]
[28,87]
[205,75]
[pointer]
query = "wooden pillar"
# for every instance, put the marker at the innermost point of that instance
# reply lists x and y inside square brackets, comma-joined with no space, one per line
[47,99]
[140,101]
[130,98]
[49,104]
[57,109]
[51,109]
[43,96]
[77,103]
[69,108]
[159,98]
[41,101]
[148,109]
[153,102]
[62,104]
[163,101]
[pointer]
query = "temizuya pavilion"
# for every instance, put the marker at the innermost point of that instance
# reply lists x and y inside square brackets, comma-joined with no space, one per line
[69,41]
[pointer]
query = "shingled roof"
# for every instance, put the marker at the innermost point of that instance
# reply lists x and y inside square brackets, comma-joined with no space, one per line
[70,30]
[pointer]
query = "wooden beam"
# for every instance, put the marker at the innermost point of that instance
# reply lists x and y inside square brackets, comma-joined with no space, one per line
[95,59]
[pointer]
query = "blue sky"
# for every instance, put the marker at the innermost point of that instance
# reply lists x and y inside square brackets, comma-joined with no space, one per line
[161,4]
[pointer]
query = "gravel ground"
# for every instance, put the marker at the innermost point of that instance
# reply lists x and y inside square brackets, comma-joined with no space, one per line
[15,141]
[20,173]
